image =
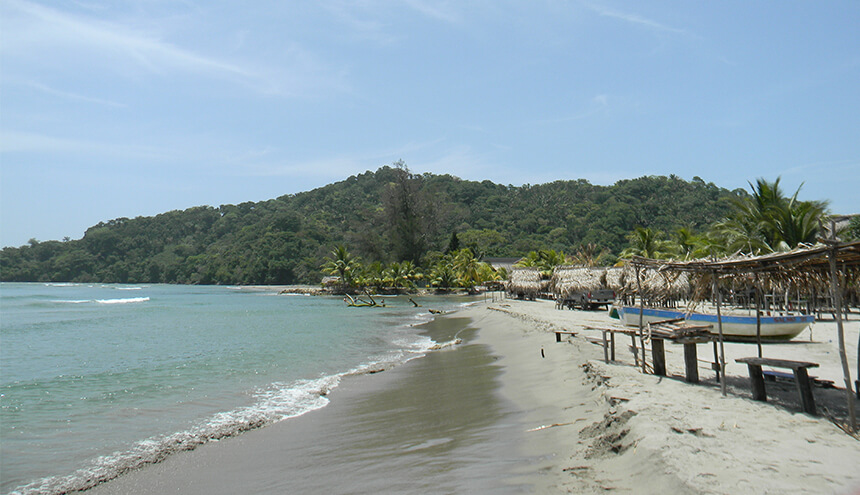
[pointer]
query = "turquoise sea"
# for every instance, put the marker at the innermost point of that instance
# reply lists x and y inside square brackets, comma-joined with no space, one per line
[98,379]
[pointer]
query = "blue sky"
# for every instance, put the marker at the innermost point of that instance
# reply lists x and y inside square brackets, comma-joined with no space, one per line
[119,109]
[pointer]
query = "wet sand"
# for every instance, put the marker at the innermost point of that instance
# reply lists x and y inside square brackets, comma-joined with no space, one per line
[512,411]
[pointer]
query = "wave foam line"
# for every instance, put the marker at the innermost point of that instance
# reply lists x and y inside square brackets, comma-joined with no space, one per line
[123,301]
[275,403]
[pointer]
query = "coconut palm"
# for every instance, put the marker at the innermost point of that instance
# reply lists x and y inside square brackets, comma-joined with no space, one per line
[767,220]
[443,276]
[342,264]
[545,260]
[648,243]
[589,255]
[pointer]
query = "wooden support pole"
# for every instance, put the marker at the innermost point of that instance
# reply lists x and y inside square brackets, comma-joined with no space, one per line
[659,356]
[758,315]
[641,316]
[612,345]
[605,348]
[757,382]
[691,362]
[804,389]
[635,350]
[836,293]
[716,290]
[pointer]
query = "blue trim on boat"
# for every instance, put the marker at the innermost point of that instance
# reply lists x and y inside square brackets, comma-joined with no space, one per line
[744,320]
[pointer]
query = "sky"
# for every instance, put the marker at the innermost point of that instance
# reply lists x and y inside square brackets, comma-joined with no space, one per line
[122,109]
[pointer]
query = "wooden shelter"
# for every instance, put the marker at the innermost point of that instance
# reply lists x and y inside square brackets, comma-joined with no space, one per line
[525,282]
[570,279]
[832,267]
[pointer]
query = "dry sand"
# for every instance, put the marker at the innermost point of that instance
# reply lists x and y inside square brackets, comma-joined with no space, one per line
[706,442]
[513,411]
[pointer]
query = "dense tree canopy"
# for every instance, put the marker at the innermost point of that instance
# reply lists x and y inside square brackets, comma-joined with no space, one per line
[389,215]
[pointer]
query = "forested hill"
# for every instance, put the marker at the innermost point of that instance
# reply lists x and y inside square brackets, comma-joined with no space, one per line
[384,215]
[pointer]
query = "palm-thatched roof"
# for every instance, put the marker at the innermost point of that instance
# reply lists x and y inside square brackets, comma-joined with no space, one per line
[807,267]
[525,280]
[570,279]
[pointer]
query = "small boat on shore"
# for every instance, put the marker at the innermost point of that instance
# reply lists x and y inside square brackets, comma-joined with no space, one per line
[734,327]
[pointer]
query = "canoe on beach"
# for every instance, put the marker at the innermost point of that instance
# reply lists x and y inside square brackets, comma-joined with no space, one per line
[734,326]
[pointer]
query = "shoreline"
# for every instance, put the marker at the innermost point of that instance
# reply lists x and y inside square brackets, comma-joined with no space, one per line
[513,411]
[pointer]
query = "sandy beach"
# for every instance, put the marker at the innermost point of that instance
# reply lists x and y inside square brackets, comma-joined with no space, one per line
[511,411]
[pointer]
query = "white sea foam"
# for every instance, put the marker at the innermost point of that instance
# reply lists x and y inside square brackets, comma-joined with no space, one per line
[102,301]
[128,288]
[122,301]
[274,403]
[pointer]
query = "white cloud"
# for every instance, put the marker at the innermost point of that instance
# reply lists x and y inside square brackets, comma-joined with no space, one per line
[70,95]
[42,35]
[435,10]
[39,25]
[26,142]
[633,19]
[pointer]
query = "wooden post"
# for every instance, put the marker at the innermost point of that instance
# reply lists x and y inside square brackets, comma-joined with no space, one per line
[691,362]
[635,350]
[717,361]
[641,316]
[758,315]
[612,345]
[757,382]
[837,301]
[659,356]
[804,388]
[605,348]
[720,328]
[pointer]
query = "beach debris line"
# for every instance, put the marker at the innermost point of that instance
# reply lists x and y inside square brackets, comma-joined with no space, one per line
[450,343]
[544,427]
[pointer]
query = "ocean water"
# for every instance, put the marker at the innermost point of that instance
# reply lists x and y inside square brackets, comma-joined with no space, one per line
[99,379]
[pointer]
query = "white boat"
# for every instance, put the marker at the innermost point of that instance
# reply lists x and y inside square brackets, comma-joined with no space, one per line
[734,327]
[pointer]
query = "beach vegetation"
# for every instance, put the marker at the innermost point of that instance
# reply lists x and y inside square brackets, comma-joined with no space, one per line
[649,243]
[852,231]
[344,265]
[389,216]
[545,260]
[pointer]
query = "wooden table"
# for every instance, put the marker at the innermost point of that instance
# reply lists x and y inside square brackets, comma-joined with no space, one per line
[801,379]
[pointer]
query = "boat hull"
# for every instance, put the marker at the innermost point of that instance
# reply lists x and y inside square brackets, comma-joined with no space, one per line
[734,327]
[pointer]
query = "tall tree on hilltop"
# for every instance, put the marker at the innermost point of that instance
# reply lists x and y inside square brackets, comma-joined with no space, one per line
[409,212]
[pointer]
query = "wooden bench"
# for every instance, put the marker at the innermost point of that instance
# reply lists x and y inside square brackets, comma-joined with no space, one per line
[801,379]
[688,335]
[608,341]
[559,333]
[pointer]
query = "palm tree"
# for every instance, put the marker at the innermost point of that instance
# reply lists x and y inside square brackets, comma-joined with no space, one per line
[544,260]
[343,265]
[648,243]
[589,255]
[443,275]
[467,267]
[767,220]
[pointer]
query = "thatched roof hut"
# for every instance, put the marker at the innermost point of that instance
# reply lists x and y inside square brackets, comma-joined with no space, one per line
[832,266]
[570,279]
[525,281]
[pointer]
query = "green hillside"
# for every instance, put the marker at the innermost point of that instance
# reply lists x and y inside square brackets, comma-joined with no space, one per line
[385,215]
